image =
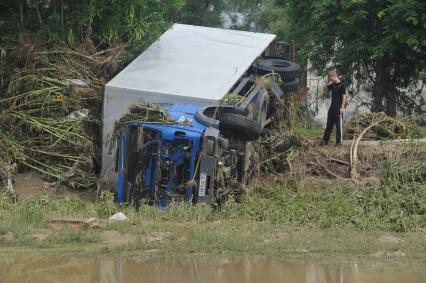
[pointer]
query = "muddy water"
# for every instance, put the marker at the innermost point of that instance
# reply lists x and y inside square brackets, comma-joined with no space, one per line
[103,270]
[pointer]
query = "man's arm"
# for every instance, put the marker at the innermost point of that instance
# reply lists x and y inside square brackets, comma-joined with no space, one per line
[342,108]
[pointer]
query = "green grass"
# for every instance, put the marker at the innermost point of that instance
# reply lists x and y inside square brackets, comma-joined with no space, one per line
[300,217]
[309,132]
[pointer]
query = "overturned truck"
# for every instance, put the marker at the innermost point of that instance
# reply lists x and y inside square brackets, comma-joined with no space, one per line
[217,90]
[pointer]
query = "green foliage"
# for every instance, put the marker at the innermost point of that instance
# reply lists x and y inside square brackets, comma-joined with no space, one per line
[396,175]
[201,12]
[381,44]
[30,216]
[71,205]
[367,209]
[8,199]
[266,16]
[138,21]
[398,205]
[256,15]
[42,201]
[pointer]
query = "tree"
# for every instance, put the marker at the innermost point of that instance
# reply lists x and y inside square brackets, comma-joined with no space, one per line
[269,17]
[202,12]
[106,21]
[378,43]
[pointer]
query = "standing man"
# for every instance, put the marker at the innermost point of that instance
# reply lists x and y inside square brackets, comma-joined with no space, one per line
[337,108]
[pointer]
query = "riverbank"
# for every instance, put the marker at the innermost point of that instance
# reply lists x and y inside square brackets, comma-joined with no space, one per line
[168,240]
[312,226]
[230,240]
[307,215]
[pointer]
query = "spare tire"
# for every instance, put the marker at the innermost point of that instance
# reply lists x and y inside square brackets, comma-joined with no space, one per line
[290,86]
[286,69]
[239,126]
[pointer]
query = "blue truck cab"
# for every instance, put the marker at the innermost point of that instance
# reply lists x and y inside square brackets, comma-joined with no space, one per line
[159,163]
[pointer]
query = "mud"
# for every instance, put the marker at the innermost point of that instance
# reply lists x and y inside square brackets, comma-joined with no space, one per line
[30,184]
[105,270]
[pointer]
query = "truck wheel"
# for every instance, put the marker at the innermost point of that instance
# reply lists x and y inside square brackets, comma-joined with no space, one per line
[290,86]
[205,114]
[286,69]
[239,126]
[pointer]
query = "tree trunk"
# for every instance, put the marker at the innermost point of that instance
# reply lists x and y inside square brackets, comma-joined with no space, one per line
[39,16]
[379,87]
[384,87]
[391,101]
[21,12]
[62,13]
[392,93]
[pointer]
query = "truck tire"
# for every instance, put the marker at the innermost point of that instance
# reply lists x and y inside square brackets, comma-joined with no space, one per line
[286,69]
[239,126]
[290,86]
[205,115]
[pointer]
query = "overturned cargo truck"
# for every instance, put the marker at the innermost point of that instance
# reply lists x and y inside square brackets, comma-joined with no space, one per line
[218,89]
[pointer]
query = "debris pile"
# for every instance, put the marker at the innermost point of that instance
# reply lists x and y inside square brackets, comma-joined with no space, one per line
[143,113]
[50,114]
[387,128]
[274,148]
[273,152]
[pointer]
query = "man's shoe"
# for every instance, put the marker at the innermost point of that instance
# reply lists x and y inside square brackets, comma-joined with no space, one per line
[323,142]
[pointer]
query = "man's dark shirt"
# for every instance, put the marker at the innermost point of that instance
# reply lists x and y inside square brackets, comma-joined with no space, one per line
[337,92]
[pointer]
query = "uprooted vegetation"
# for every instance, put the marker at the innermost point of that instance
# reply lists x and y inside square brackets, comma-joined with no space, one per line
[335,163]
[382,127]
[50,113]
[144,113]
[285,150]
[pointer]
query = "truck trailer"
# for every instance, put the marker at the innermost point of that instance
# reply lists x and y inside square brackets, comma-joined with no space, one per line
[189,72]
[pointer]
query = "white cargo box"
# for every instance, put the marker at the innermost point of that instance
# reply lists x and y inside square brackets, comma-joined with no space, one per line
[187,64]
